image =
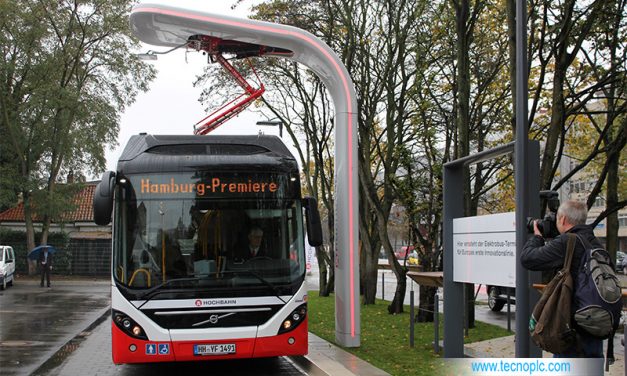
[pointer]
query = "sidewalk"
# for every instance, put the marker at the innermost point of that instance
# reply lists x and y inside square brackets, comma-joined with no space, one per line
[337,362]
[504,347]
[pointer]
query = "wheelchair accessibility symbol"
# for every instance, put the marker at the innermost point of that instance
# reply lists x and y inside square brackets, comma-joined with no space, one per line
[164,348]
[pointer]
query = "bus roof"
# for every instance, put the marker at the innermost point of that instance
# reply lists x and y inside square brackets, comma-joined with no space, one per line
[156,153]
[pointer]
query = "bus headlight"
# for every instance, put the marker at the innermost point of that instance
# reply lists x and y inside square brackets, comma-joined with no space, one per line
[137,330]
[127,325]
[294,319]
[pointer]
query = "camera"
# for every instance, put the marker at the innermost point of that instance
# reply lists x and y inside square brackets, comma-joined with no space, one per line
[547,225]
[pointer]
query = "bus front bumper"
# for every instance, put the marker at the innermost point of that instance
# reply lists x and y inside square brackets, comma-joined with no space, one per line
[131,350]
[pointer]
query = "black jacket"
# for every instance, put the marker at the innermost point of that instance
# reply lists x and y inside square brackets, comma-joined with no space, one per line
[243,252]
[536,255]
[41,258]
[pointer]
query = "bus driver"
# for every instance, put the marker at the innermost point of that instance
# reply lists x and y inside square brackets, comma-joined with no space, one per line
[254,247]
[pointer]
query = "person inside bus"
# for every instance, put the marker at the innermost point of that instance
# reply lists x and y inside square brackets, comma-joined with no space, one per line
[254,246]
[174,261]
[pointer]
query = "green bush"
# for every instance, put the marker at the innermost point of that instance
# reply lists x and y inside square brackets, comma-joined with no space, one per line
[59,240]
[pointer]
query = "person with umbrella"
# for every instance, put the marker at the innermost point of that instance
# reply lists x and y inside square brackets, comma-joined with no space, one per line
[45,262]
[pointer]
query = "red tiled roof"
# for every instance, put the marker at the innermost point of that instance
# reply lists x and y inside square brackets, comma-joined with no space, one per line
[82,202]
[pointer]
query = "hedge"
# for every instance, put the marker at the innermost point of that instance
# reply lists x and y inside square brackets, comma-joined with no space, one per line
[59,240]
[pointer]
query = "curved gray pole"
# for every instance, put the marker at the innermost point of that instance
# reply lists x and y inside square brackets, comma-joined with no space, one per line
[170,26]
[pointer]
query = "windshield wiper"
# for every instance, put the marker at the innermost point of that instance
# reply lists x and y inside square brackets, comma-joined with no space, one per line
[155,290]
[263,280]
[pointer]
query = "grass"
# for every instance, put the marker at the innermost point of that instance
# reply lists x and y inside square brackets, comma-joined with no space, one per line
[385,337]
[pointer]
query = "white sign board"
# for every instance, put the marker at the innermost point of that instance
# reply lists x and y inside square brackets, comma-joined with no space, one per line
[485,249]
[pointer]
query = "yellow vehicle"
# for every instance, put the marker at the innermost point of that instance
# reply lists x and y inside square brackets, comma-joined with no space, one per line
[413,260]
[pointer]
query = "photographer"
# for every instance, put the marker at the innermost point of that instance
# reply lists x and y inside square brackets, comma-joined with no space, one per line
[538,255]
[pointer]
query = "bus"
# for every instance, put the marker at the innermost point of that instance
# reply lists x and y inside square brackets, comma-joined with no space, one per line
[208,258]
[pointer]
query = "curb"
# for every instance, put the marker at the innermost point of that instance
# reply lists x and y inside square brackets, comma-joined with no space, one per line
[59,356]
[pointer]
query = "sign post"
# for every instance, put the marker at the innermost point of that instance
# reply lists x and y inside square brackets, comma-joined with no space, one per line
[498,249]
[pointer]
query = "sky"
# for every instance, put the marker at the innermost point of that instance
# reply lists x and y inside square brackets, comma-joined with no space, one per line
[171,105]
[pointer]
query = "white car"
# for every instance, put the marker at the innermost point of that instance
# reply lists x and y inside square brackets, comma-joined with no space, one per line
[7,266]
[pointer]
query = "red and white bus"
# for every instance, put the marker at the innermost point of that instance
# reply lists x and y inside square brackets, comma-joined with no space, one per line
[186,211]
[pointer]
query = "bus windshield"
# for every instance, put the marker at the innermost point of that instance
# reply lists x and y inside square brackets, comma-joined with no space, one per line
[169,234]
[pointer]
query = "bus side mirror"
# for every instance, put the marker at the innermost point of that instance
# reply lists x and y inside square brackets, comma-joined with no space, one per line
[314,227]
[103,199]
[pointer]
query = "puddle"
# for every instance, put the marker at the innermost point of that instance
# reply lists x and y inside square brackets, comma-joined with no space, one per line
[20,343]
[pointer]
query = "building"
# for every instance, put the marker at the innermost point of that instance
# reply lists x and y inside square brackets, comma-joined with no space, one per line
[89,247]
[578,188]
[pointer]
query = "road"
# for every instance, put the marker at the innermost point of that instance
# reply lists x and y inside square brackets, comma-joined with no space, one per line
[65,330]
[37,321]
[92,356]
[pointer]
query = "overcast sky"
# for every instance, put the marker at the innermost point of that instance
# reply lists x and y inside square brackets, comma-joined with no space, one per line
[171,105]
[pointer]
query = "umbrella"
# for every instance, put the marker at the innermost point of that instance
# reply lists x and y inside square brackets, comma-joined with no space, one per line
[34,253]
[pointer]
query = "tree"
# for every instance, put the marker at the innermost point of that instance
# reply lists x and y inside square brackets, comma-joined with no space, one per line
[580,48]
[68,71]
[389,63]
[372,39]
[299,100]
[419,191]
[564,28]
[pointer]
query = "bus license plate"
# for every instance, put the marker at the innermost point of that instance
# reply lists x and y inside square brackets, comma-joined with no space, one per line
[215,349]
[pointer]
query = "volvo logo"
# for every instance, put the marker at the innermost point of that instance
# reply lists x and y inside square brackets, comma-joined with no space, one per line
[213,319]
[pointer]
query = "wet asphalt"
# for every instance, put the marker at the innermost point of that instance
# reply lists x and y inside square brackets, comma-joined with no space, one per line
[50,331]
[65,330]
[43,331]
[36,322]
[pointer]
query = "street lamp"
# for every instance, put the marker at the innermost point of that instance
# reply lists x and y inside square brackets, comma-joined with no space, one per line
[272,123]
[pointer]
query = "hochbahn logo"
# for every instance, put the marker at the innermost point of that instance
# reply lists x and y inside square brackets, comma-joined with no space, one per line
[214,302]
[216,185]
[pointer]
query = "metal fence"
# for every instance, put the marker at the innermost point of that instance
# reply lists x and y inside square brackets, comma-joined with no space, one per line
[80,257]
[90,257]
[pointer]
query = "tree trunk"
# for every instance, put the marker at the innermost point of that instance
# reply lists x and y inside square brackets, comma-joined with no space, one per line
[322,271]
[555,128]
[30,231]
[370,249]
[426,306]
[326,260]
[611,224]
[45,229]
[372,273]
[612,184]
[399,295]
[462,14]
[369,273]
[331,257]
[399,271]
[511,44]
[612,244]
